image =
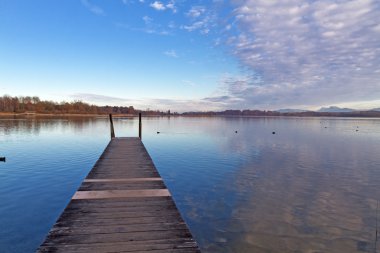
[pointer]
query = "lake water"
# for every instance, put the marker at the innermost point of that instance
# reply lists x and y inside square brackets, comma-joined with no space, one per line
[313,186]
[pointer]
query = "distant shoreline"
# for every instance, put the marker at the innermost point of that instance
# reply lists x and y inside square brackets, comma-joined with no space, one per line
[65,114]
[206,114]
[33,106]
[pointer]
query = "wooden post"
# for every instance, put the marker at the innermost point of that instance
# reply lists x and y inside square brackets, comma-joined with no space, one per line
[112,129]
[140,126]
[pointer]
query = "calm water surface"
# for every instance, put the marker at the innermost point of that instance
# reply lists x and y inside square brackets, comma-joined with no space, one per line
[313,186]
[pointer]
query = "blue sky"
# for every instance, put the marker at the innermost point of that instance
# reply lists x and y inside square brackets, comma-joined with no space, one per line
[193,55]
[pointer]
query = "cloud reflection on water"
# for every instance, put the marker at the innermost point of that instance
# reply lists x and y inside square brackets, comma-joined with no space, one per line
[306,189]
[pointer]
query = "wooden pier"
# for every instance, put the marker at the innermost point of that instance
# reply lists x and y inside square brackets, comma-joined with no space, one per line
[122,205]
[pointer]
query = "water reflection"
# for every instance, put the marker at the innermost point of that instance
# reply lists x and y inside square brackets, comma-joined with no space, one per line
[311,187]
[306,189]
[13,125]
[295,204]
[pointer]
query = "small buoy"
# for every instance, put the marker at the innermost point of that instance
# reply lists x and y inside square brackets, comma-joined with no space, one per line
[273,132]
[2,159]
[158,132]
[235,132]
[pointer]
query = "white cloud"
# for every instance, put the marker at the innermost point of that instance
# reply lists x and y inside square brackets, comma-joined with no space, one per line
[93,8]
[201,19]
[196,11]
[305,53]
[171,53]
[194,26]
[147,20]
[158,6]
[171,5]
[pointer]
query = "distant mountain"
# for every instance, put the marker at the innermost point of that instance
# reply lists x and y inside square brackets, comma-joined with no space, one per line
[291,110]
[335,109]
[376,109]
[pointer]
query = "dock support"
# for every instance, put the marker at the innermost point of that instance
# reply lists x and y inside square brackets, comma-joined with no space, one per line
[112,129]
[140,127]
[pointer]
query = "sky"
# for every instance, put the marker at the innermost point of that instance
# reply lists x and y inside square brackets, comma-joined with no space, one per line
[193,55]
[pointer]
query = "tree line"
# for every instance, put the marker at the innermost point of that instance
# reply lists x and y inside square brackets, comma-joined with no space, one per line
[34,104]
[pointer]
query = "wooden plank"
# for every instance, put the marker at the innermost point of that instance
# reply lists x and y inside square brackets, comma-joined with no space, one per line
[136,209]
[122,202]
[121,194]
[116,237]
[123,205]
[82,221]
[118,228]
[142,246]
[123,180]
[99,186]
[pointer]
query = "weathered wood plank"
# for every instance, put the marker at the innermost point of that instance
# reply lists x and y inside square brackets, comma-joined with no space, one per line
[107,229]
[104,209]
[122,202]
[139,246]
[142,179]
[116,237]
[99,186]
[101,222]
[107,194]
[122,206]
[117,215]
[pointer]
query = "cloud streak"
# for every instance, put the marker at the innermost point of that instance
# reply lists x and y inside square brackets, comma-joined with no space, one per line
[93,8]
[201,19]
[99,99]
[171,53]
[178,105]
[305,53]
